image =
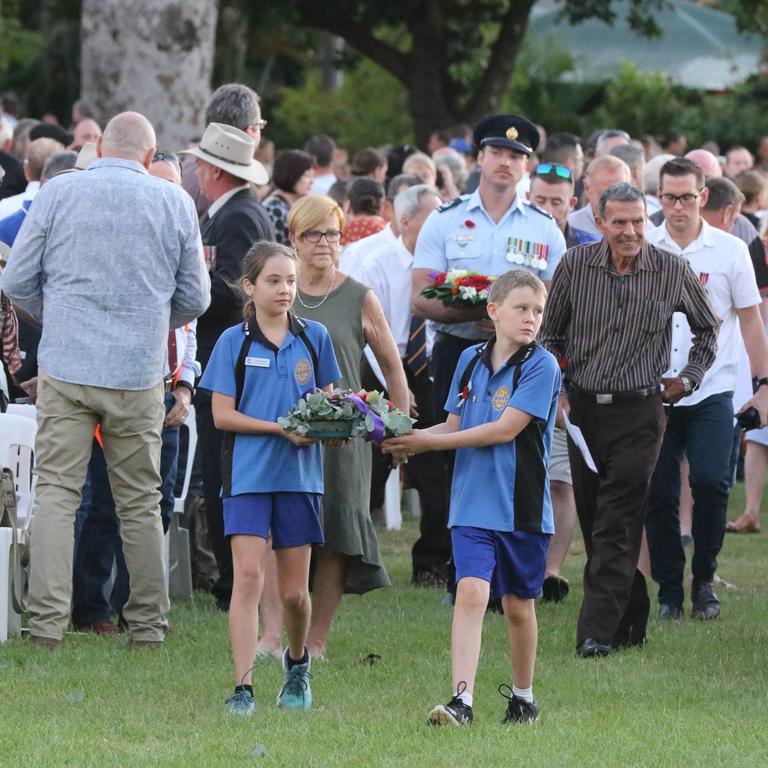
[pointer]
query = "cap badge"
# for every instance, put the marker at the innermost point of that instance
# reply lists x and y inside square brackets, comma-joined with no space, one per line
[512,133]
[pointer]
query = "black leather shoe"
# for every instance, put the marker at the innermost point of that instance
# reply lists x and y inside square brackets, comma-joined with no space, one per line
[591,648]
[670,612]
[706,606]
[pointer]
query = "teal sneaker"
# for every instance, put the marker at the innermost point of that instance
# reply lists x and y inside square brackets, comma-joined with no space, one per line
[241,703]
[296,693]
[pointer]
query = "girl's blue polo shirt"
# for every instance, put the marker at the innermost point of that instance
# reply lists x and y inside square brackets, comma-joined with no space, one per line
[274,380]
[504,487]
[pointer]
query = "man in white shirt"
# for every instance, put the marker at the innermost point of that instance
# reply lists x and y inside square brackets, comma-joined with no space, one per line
[701,424]
[38,152]
[355,257]
[389,275]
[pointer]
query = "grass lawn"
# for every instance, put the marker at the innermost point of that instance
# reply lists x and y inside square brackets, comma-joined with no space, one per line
[696,695]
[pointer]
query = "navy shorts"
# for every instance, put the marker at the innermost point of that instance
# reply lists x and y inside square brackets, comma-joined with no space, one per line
[292,518]
[512,561]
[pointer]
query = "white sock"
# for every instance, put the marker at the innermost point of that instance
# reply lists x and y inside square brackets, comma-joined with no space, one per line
[526,694]
[466,698]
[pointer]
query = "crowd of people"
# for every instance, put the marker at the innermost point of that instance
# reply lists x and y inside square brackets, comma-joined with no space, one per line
[626,315]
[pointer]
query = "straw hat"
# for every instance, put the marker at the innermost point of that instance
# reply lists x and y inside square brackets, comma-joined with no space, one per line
[231,150]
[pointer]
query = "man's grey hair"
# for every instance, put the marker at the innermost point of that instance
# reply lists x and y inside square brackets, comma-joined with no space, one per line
[722,192]
[58,162]
[128,135]
[620,193]
[233,104]
[458,166]
[20,136]
[409,201]
[632,154]
[400,182]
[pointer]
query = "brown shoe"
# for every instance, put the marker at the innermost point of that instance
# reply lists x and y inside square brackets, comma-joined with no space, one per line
[743,524]
[98,628]
[49,643]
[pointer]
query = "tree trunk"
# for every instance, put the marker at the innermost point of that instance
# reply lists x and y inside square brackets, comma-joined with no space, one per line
[150,56]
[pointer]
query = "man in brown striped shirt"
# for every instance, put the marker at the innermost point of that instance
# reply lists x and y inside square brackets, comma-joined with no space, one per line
[609,320]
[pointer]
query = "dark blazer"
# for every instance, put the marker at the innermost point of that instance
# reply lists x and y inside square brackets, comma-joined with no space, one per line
[233,230]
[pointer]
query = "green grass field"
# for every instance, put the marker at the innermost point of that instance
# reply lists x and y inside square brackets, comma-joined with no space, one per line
[696,695]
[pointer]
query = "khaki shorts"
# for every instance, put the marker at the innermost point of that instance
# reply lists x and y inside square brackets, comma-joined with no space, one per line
[559,465]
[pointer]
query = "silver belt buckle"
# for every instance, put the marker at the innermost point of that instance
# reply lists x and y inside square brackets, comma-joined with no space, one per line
[604,399]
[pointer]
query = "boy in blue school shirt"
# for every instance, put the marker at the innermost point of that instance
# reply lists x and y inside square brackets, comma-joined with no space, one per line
[502,407]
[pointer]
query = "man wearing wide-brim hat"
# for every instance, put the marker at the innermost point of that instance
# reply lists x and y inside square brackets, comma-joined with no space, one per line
[234,222]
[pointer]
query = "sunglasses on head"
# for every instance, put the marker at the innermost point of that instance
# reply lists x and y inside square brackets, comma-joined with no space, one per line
[168,157]
[553,169]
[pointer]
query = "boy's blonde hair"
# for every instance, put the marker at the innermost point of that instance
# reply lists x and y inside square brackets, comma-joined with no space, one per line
[515,278]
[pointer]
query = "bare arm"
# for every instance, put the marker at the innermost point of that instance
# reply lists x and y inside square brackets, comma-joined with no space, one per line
[753,333]
[382,343]
[433,309]
[228,419]
[505,429]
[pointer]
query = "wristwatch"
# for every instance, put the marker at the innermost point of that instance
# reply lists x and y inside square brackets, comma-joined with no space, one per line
[688,385]
[757,383]
[186,385]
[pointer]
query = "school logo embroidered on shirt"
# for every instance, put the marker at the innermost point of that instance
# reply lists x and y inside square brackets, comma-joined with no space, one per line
[302,371]
[703,277]
[500,398]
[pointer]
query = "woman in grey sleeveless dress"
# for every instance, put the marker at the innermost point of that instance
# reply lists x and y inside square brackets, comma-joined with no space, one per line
[349,562]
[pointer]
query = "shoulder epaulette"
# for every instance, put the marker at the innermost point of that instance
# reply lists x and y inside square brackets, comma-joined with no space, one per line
[537,209]
[450,204]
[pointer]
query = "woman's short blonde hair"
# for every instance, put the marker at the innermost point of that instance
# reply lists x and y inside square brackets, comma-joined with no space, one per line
[311,211]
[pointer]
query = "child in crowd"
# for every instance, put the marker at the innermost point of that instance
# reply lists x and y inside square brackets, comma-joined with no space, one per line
[502,407]
[257,372]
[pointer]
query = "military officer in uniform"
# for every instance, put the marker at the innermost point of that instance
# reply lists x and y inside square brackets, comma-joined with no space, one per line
[489,232]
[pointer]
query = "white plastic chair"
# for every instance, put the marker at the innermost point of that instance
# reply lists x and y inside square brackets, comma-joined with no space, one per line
[17,445]
[22,409]
[178,558]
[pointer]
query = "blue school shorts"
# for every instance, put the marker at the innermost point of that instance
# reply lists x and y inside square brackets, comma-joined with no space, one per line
[512,561]
[292,518]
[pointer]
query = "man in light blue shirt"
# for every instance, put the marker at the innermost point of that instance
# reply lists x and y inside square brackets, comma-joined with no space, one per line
[108,260]
[490,231]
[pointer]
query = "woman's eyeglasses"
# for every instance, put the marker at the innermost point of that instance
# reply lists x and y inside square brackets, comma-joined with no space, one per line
[316,235]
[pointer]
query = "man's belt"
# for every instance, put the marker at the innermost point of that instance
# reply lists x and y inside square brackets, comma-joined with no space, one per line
[609,398]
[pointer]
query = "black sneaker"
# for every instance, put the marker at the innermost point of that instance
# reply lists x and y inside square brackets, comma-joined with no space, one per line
[455,712]
[706,606]
[518,710]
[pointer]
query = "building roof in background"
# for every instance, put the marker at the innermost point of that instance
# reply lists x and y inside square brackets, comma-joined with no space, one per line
[700,48]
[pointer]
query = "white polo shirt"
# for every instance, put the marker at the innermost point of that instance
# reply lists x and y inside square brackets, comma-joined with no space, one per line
[388,273]
[723,266]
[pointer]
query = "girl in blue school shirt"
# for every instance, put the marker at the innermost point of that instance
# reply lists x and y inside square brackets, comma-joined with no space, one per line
[273,480]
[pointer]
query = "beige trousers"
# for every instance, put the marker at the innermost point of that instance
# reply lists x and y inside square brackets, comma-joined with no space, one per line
[131,422]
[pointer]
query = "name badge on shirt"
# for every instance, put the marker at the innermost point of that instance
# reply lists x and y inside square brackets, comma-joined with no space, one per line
[527,253]
[258,362]
[463,240]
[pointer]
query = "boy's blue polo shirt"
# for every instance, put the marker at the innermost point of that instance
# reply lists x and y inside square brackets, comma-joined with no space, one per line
[274,380]
[504,487]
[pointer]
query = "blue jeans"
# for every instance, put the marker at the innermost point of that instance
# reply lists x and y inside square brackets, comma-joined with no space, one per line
[97,533]
[703,432]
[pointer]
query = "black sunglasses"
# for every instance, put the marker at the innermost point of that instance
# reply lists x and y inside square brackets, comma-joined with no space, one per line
[553,169]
